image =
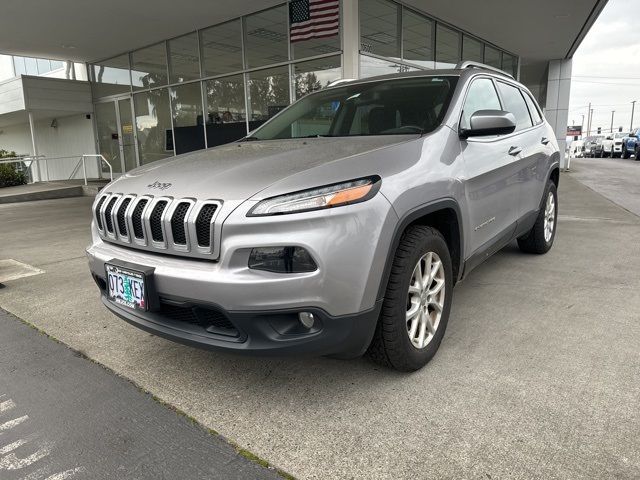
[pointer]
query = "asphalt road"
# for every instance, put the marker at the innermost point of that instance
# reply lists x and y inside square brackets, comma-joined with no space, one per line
[617,179]
[537,375]
[63,417]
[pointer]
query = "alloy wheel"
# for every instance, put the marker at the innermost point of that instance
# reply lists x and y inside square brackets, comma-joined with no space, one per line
[549,217]
[425,300]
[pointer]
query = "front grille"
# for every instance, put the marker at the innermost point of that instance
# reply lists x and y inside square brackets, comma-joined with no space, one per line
[156,221]
[136,218]
[177,223]
[181,226]
[122,221]
[203,224]
[211,320]
[108,220]
[97,212]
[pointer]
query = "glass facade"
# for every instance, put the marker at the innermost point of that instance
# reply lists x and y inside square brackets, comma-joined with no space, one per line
[395,38]
[211,86]
[214,85]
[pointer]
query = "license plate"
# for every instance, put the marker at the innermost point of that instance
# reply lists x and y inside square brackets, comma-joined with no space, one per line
[126,287]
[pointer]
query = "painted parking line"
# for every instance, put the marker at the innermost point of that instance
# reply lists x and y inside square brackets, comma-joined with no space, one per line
[11,269]
[28,450]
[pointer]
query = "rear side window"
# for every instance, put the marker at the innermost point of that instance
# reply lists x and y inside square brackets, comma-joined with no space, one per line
[533,110]
[481,96]
[514,103]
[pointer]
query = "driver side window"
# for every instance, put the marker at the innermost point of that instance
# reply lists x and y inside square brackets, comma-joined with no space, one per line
[482,95]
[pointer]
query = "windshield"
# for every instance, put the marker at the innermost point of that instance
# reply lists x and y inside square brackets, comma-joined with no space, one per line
[387,107]
[621,135]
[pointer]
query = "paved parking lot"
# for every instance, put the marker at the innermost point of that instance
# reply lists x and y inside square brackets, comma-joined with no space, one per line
[537,376]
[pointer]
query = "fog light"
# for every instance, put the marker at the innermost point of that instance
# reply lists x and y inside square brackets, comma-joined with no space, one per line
[282,260]
[306,319]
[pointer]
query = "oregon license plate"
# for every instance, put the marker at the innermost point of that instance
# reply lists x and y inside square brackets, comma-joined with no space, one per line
[126,287]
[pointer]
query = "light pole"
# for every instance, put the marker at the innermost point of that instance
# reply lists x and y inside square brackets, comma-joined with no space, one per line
[612,112]
[633,106]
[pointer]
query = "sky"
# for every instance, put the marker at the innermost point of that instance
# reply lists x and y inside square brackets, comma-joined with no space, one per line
[606,69]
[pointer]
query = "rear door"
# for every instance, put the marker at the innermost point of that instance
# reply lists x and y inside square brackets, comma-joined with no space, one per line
[491,171]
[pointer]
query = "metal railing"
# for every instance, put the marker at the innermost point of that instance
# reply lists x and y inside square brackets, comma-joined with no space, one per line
[30,160]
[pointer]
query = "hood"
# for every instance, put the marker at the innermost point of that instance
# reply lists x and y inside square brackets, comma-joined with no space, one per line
[239,170]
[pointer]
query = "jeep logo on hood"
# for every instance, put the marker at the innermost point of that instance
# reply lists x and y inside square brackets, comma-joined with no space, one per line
[159,185]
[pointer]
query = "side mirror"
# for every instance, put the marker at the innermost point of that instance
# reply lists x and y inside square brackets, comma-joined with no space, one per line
[489,122]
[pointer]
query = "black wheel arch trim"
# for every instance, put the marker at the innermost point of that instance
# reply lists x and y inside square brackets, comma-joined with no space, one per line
[407,219]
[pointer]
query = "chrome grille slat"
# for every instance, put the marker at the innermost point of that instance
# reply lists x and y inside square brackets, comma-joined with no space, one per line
[180,226]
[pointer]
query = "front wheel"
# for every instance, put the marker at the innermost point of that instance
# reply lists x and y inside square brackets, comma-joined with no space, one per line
[624,153]
[417,301]
[540,238]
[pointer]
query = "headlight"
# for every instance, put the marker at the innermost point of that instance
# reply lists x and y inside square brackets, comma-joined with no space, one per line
[338,194]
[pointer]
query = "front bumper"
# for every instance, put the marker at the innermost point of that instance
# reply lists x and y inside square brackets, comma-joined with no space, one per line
[271,333]
[349,244]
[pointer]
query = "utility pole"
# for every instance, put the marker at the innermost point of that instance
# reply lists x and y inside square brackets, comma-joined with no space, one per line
[612,112]
[633,106]
[590,112]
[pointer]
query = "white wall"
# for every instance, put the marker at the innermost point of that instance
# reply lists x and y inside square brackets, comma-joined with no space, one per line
[73,136]
[557,103]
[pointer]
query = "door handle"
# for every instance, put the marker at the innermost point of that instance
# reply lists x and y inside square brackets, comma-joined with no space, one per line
[544,140]
[515,151]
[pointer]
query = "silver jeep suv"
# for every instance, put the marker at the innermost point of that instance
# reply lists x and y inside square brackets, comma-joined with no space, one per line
[338,227]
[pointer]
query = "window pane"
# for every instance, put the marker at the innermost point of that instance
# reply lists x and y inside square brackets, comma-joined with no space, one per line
[510,64]
[18,63]
[472,49]
[186,103]
[417,39]
[149,67]
[153,123]
[222,49]
[370,67]
[533,110]
[481,96]
[514,103]
[379,27]
[31,66]
[492,56]
[44,66]
[266,37]
[56,64]
[226,115]
[183,58]
[316,74]
[268,94]
[447,47]
[111,77]
[299,14]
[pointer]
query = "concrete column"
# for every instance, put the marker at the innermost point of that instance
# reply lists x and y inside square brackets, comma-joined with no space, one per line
[557,104]
[350,39]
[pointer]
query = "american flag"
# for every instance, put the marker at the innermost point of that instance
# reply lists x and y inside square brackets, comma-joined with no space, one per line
[314,19]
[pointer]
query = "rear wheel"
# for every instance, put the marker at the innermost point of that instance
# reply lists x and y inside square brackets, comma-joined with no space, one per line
[540,238]
[417,302]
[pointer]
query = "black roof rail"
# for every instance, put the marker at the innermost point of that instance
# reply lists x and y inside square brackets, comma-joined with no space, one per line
[469,64]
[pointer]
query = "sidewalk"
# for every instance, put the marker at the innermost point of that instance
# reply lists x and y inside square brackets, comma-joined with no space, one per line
[50,190]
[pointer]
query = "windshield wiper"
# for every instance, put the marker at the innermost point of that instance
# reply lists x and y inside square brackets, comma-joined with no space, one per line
[315,136]
[249,139]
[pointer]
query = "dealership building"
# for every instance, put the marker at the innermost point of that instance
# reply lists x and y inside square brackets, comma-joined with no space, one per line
[150,80]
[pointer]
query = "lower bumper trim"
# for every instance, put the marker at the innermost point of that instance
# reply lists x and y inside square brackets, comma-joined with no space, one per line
[266,333]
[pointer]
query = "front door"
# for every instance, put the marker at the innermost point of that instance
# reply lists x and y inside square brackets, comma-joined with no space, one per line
[116,139]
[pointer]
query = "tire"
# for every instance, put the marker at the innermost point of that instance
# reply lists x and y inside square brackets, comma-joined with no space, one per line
[392,345]
[624,154]
[536,240]
[636,152]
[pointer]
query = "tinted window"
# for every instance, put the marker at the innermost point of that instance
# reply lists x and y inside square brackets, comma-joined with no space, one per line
[481,96]
[535,113]
[514,103]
